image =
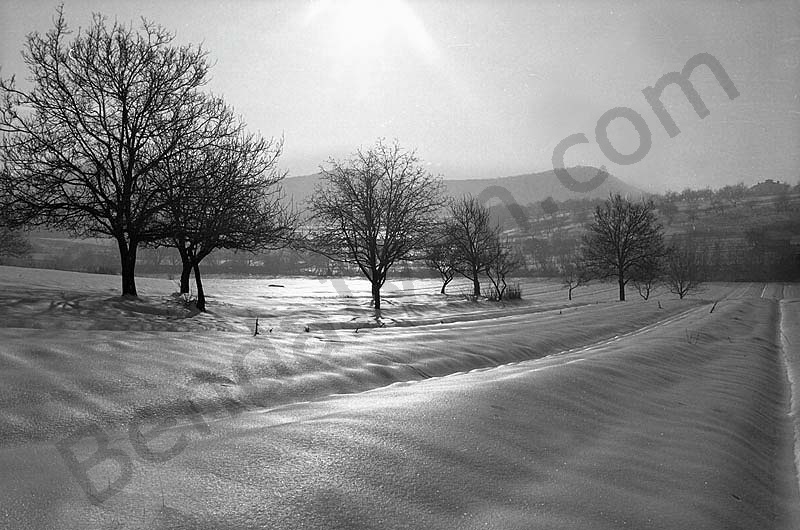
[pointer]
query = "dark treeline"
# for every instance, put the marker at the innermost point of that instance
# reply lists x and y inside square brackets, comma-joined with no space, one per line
[101,258]
[755,237]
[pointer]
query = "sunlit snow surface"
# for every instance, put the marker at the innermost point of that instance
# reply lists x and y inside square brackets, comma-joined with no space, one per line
[542,413]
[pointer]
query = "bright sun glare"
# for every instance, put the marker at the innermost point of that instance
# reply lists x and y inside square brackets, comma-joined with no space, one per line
[365,27]
[365,20]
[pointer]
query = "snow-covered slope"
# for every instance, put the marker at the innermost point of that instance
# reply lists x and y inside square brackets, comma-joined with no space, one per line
[540,414]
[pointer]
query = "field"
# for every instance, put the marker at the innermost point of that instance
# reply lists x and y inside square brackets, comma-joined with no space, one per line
[445,413]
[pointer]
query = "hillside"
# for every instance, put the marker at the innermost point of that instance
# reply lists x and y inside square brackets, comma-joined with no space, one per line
[526,189]
[748,238]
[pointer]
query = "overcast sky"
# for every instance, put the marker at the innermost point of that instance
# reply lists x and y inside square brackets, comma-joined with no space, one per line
[488,88]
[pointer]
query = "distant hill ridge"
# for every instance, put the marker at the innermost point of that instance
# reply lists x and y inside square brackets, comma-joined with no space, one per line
[525,189]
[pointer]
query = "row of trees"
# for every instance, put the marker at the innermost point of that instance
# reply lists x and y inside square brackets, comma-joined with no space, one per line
[117,138]
[726,198]
[732,194]
[626,242]
[381,207]
[467,243]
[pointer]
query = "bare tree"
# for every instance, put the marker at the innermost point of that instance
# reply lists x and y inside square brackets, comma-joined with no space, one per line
[685,268]
[573,273]
[225,195]
[646,274]
[504,260]
[623,236]
[374,209]
[103,111]
[440,255]
[474,239]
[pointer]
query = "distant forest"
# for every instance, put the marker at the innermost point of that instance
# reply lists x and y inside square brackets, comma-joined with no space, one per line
[746,233]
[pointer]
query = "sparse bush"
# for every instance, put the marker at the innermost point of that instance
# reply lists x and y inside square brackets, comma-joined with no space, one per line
[469,296]
[513,292]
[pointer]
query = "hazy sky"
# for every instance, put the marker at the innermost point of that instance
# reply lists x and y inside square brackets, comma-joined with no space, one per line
[484,88]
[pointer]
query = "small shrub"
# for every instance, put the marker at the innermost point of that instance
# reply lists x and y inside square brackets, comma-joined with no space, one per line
[467,295]
[513,292]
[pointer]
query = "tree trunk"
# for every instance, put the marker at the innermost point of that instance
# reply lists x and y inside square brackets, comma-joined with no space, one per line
[570,292]
[376,297]
[127,255]
[445,282]
[201,297]
[621,289]
[186,271]
[186,265]
[476,284]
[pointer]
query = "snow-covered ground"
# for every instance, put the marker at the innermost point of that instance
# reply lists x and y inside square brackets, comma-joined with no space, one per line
[542,413]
